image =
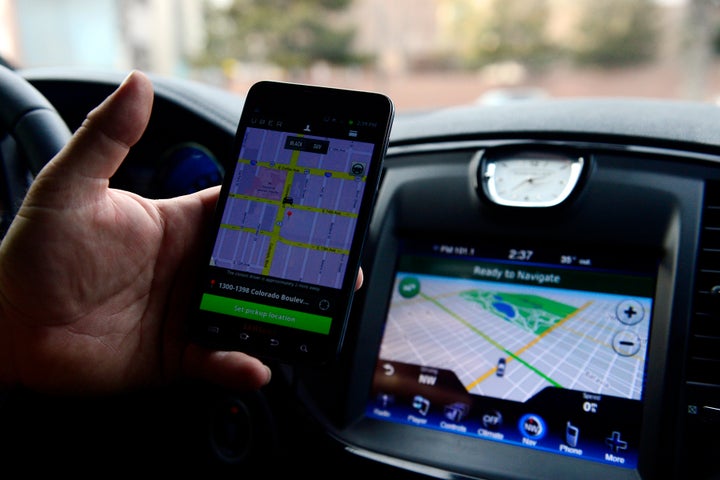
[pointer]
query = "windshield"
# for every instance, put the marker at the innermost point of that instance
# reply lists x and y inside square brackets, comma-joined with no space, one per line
[422,53]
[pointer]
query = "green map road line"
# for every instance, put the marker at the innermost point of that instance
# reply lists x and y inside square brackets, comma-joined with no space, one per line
[489,340]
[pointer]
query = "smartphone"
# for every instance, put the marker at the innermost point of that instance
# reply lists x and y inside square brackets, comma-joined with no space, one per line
[279,273]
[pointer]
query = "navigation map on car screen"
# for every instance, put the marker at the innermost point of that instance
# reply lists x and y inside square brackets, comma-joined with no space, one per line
[540,348]
[290,193]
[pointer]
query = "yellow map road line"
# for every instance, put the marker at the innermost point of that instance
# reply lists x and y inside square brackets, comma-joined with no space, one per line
[275,235]
[516,355]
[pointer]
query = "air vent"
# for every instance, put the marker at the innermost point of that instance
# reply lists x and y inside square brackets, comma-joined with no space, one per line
[703,368]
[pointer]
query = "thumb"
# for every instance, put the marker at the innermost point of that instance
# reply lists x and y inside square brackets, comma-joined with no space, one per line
[102,142]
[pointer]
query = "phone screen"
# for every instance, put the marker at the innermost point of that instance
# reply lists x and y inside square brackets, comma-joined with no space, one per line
[290,222]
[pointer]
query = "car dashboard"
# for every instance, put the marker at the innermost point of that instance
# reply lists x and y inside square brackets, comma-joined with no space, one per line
[496,335]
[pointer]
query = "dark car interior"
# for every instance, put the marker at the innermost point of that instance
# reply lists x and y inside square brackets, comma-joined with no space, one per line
[495,336]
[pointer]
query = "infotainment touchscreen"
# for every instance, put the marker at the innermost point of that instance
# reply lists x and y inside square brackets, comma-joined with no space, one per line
[540,348]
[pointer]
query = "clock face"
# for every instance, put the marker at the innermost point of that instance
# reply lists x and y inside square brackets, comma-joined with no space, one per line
[528,180]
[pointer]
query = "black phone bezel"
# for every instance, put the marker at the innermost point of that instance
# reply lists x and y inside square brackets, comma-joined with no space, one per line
[317,110]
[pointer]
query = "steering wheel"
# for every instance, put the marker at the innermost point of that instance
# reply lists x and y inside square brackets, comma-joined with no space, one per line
[31,133]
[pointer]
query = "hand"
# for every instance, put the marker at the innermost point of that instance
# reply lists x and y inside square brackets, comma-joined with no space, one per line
[94,281]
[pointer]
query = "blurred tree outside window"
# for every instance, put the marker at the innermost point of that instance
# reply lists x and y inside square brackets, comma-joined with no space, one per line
[292,34]
[513,37]
[616,33]
[506,31]
[424,53]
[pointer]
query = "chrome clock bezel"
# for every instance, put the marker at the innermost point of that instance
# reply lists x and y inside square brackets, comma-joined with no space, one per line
[498,173]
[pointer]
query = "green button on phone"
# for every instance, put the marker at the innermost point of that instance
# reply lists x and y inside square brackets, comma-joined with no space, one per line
[266,313]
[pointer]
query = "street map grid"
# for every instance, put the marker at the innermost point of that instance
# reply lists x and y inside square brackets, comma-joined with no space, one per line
[288,203]
[444,327]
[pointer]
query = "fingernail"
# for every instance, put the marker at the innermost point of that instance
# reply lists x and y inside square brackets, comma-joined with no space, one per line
[269,374]
[128,77]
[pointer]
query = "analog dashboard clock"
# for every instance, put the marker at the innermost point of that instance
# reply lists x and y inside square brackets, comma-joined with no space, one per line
[529,178]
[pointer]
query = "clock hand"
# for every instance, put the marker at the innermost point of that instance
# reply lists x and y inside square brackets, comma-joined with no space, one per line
[536,180]
[527,180]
